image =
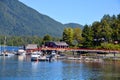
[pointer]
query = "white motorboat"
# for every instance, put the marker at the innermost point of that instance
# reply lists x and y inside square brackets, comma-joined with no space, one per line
[21,52]
[43,58]
[35,56]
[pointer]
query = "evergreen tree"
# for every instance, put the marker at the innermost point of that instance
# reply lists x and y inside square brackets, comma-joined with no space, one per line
[115,25]
[106,31]
[68,36]
[47,38]
[88,36]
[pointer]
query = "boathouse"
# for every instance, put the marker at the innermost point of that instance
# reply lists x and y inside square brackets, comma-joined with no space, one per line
[31,47]
[56,44]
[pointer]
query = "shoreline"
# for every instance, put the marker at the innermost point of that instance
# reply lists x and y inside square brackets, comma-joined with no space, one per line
[93,57]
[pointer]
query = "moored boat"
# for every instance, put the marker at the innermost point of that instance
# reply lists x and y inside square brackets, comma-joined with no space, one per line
[7,54]
[43,58]
[35,56]
[21,52]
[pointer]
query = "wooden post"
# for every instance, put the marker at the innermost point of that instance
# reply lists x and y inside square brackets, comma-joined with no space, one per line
[114,54]
[73,53]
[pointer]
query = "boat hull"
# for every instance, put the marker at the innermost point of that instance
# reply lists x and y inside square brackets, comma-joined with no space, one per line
[34,59]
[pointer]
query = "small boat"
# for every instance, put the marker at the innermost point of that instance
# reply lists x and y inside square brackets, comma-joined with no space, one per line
[21,52]
[4,52]
[38,56]
[43,58]
[7,54]
[35,56]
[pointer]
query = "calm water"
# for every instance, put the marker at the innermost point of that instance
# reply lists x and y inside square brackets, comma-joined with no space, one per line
[21,68]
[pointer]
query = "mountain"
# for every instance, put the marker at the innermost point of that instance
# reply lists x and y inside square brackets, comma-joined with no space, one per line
[73,25]
[18,19]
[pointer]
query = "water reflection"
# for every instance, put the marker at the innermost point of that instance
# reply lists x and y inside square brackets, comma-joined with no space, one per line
[21,68]
[71,68]
[112,71]
[21,58]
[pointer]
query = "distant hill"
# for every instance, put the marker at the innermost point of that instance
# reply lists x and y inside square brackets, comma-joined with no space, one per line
[73,25]
[19,19]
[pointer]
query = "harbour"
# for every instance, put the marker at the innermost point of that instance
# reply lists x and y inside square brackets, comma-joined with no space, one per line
[65,40]
[22,68]
[59,64]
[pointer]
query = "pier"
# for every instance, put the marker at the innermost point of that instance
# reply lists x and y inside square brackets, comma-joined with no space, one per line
[80,50]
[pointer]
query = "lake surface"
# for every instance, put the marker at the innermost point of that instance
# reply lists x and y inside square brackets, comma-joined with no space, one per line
[21,68]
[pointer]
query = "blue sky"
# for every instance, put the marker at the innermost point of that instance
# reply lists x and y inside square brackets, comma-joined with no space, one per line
[77,11]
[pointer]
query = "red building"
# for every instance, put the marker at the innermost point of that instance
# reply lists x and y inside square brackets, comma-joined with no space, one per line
[56,44]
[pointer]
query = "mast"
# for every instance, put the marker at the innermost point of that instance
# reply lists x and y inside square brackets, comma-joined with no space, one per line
[5,44]
[0,47]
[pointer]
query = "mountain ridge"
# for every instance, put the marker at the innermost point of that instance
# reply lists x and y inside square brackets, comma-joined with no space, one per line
[74,25]
[18,19]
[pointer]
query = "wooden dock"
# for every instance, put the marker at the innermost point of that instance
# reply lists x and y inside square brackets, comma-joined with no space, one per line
[81,50]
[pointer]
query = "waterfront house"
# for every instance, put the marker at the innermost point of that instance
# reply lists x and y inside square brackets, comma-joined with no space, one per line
[31,47]
[56,44]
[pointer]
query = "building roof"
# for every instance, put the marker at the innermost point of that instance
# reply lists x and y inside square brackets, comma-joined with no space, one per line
[31,46]
[61,43]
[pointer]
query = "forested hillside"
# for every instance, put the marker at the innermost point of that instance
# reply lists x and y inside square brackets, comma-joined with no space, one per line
[17,19]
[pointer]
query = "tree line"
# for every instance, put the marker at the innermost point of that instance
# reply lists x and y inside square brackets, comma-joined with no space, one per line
[100,34]
[24,40]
